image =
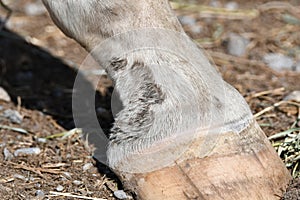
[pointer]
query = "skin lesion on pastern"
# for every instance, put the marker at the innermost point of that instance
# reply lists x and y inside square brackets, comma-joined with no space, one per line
[136,117]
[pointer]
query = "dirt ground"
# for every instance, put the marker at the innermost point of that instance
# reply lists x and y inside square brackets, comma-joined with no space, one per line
[38,68]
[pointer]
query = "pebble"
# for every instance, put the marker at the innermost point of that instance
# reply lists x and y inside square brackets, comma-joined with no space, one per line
[13,115]
[278,61]
[87,166]
[40,194]
[237,44]
[215,3]
[67,175]
[293,96]
[35,8]
[69,155]
[27,151]
[7,155]
[60,188]
[187,20]
[231,5]
[196,29]
[41,140]
[4,95]
[76,182]
[21,177]
[120,194]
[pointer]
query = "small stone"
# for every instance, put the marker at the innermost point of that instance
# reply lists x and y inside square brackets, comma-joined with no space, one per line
[34,9]
[4,95]
[76,182]
[7,155]
[27,151]
[237,44]
[196,29]
[60,188]
[41,140]
[19,176]
[40,194]
[13,115]
[215,3]
[120,194]
[87,166]
[232,5]
[67,175]
[278,61]
[293,96]
[187,20]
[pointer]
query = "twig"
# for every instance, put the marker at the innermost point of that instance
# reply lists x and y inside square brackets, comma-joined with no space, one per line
[73,196]
[294,172]
[274,106]
[54,165]
[19,100]
[282,134]
[37,171]
[20,130]
[223,56]
[274,91]
[65,134]
[6,180]
[279,5]
[207,11]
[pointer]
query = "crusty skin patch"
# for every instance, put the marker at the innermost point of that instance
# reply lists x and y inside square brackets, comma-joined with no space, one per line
[136,118]
[118,64]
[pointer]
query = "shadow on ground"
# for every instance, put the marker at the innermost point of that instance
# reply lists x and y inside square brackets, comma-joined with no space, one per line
[42,82]
[39,81]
